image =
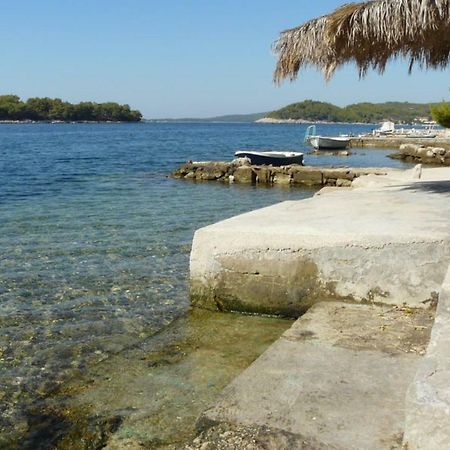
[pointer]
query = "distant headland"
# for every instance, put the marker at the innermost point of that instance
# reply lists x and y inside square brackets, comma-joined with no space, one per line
[314,111]
[310,111]
[13,109]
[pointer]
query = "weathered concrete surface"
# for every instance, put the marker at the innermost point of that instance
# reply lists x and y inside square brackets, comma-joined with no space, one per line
[336,380]
[397,141]
[387,241]
[428,401]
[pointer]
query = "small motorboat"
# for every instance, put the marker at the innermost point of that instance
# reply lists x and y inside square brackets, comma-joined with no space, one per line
[325,142]
[271,158]
[329,142]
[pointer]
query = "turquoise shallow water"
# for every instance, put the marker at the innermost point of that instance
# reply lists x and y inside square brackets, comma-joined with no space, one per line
[95,237]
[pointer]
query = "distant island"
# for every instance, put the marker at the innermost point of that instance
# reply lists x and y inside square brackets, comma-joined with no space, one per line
[230,118]
[310,111]
[314,111]
[12,108]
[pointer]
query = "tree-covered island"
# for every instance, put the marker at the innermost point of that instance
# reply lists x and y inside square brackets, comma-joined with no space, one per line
[12,108]
[314,111]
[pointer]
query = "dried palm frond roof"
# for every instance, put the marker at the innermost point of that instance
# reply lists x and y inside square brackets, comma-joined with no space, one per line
[368,34]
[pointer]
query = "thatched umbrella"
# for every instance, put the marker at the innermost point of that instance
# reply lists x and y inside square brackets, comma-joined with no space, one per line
[368,34]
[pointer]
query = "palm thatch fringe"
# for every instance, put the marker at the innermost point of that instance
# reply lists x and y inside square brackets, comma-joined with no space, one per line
[368,34]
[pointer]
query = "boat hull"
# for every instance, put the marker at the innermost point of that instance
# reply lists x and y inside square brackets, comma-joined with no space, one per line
[329,143]
[271,158]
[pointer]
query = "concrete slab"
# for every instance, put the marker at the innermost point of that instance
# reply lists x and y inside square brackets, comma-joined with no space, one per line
[428,400]
[337,379]
[395,142]
[387,241]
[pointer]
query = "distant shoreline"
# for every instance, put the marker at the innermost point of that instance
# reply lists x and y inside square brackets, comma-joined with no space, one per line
[14,110]
[268,120]
[264,121]
[62,122]
[260,121]
[315,112]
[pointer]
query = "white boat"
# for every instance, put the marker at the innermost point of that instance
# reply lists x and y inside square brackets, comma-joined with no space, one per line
[329,143]
[325,142]
[271,158]
[386,128]
[428,132]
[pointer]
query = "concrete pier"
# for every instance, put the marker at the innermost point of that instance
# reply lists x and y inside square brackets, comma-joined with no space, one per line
[387,241]
[397,141]
[360,370]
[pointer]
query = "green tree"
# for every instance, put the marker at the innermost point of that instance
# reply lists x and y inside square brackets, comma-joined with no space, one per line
[40,107]
[11,108]
[441,114]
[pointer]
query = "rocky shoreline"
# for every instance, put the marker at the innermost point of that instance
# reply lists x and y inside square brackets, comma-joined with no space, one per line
[58,122]
[416,153]
[270,120]
[242,172]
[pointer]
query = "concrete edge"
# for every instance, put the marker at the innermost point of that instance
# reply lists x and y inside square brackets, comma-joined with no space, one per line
[427,422]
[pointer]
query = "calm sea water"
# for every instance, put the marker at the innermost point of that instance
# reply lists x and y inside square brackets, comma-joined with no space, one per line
[95,237]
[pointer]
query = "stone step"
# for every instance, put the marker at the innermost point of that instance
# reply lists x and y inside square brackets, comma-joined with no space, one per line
[387,241]
[337,379]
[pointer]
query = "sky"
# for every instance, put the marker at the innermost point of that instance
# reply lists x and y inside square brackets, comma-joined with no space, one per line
[180,58]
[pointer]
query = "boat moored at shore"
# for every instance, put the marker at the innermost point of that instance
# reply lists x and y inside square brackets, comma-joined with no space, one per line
[329,143]
[388,129]
[271,158]
[325,142]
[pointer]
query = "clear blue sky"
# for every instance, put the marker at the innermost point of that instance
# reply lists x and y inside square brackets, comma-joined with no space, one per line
[178,58]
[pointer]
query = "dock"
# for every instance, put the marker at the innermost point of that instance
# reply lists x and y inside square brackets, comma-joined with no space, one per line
[395,142]
[367,363]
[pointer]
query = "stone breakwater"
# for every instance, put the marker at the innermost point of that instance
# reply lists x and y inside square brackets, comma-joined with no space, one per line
[423,154]
[285,175]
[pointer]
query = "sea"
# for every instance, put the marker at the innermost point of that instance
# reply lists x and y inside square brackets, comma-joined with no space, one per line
[95,238]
